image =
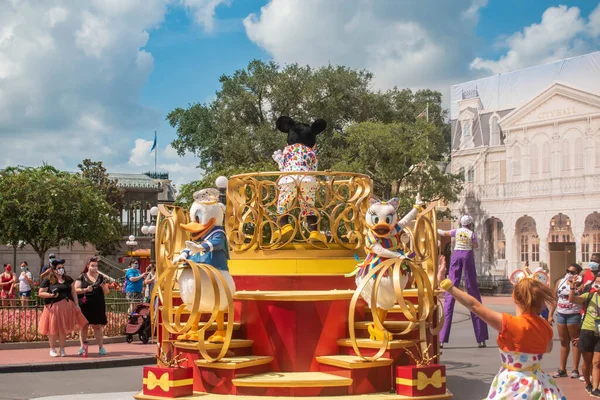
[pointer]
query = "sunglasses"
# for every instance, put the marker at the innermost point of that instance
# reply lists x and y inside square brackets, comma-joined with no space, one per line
[570,271]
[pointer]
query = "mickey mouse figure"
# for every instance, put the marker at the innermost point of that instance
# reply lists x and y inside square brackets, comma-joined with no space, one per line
[298,156]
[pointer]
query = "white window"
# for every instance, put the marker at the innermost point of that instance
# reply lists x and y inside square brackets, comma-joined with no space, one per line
[493,172]
[516,161]
[535,249]
[533,158]
[466,128]
[596,243]
[585,248]
[471,174]
[566,155]
[495,129]
[500,241]
[579,153]
[524,249]
[546,154]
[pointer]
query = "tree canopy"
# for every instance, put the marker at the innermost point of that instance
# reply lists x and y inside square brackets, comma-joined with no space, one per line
[46,208]
[373,132]
[114,195]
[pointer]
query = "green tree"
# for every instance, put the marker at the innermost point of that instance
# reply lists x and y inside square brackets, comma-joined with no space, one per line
[47,208]
[403,159]
[114,195]
[236,131]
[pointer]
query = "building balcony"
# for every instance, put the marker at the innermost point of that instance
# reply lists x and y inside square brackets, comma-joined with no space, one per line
[536,188]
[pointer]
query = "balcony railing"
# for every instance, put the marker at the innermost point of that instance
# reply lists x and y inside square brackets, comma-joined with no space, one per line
[534,188]
[340,203]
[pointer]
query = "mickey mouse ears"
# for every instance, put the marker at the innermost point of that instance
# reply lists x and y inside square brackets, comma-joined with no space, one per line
[520,274]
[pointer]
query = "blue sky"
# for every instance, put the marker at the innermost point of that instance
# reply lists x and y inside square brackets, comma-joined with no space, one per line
[94,78]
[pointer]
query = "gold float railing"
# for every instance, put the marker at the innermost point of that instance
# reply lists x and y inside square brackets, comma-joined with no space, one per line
[426,315]
[341,202]
[170,240]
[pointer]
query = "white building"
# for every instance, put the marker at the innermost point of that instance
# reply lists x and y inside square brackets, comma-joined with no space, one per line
[528,143]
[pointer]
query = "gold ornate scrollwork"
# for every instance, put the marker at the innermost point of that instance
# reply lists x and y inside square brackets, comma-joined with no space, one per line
[340,202]
[422,240]
[170,240]
[414,315]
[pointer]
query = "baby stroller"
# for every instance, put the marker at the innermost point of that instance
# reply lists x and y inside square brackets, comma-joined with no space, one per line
[139,323]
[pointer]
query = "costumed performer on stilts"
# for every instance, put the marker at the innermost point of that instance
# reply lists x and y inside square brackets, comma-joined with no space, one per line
[522,339]
[463,259]
[382,241]
[208,246]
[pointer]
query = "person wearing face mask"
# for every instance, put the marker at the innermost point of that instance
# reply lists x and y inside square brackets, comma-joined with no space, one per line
[61,313]
[25,284]
[7,286]
[47,267]
[91,288]
[134,283]
[568,320]
[589,337]
[590,274]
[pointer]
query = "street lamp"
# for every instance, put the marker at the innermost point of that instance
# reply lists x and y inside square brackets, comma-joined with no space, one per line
[131,243]
[221,183]
[151,230]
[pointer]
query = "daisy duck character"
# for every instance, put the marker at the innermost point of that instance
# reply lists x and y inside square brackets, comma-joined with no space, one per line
[463,259]
[298,156]
[382,242]
[208,246]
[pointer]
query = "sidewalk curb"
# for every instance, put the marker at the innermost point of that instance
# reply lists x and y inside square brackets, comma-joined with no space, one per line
[44,344]
[79,365]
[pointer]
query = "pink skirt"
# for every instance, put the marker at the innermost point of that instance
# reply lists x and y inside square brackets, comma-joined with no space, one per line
[61,318]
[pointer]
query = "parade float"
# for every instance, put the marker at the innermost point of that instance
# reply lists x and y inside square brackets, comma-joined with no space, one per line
[294,321]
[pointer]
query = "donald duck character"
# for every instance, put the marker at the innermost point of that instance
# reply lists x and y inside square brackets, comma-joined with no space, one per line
[382,242]
[208,246]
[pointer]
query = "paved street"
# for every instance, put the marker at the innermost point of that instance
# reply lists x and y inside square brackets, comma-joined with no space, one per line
[470,371]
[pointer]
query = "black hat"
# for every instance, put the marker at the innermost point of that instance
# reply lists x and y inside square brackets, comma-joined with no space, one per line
[57,262]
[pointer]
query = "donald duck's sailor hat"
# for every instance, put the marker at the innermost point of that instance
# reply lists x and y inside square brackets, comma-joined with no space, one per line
[207,196]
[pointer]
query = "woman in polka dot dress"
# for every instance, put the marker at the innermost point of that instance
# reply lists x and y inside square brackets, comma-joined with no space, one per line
[523,339]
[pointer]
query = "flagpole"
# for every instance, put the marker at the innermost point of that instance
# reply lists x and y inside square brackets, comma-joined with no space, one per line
[155,153]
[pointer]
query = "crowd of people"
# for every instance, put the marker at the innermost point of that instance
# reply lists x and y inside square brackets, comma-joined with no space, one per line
[572,303]
[11,285]
[73,304]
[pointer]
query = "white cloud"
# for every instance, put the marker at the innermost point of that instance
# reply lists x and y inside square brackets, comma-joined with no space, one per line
[560,34]
[181,169]
[71,75]
[204,11]
[594,22]
[473,10]
[140,154]
[421,44]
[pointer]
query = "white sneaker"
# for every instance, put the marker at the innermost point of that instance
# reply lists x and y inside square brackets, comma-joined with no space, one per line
[63,353]
[53,353]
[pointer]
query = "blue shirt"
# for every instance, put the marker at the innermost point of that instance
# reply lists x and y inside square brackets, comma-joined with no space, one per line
[216,250]
[136,286]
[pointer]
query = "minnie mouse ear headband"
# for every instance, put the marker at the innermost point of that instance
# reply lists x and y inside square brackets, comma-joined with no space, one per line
[538,275]
[57,262]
